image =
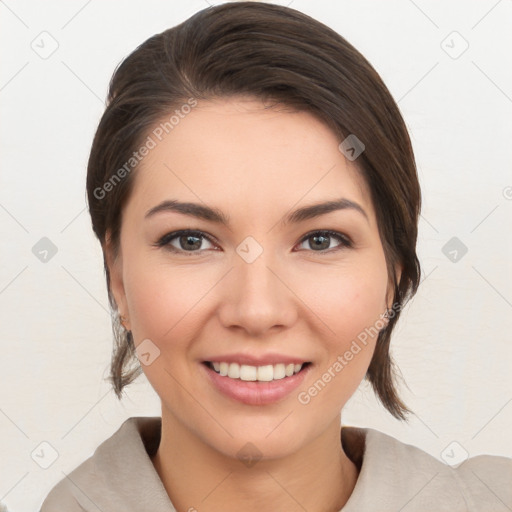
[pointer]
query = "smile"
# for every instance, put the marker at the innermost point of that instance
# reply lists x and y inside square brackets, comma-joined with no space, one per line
[255,385]
[245,372]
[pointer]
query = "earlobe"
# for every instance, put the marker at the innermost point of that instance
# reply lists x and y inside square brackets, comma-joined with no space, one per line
[391,291]
[115,269]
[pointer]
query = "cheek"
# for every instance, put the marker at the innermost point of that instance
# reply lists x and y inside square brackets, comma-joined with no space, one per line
[350,305]
[348,300]
[164,306]
[161,300]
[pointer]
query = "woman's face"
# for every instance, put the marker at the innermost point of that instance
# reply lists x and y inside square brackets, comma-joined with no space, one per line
[262,291]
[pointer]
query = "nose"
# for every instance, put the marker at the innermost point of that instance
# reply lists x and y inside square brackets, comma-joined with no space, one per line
[257,297]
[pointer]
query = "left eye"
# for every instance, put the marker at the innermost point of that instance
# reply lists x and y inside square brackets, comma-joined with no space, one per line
[321,240]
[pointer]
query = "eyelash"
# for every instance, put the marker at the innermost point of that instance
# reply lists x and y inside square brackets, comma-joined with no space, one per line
[345,242]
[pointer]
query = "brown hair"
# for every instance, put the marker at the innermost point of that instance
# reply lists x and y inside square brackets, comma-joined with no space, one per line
[269,52]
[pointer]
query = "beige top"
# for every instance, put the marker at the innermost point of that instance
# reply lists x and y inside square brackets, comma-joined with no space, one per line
[393,477]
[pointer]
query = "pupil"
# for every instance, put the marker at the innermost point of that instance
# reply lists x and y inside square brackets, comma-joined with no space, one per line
[190,242]
[322,238]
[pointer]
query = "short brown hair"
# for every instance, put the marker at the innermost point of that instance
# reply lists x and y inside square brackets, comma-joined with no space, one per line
[270,52]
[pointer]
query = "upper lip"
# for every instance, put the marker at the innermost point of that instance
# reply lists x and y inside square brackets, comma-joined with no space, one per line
[261,360]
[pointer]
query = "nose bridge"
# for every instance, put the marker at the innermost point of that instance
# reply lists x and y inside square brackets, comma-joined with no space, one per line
[256,297]
[255,275]
[256,282]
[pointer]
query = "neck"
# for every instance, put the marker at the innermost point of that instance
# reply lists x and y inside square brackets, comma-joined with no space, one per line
[319,478]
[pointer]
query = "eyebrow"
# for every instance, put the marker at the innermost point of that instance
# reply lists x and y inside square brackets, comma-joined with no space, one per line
[215,215]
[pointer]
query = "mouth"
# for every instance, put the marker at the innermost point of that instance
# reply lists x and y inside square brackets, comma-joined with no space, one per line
[249,373]
[256,385]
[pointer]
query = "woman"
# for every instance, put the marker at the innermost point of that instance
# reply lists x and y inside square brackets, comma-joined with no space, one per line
[254,190]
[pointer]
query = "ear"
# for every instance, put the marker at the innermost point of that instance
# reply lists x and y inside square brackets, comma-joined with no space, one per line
[115,269]
[391,291]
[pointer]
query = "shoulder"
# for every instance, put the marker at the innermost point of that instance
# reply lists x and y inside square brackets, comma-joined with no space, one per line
[486,482]
[67,494]
[398,475]
[116,476]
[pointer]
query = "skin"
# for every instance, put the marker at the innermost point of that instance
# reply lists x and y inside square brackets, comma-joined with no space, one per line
[255,165]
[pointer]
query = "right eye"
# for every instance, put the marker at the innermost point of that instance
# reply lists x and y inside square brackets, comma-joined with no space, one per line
[184,241]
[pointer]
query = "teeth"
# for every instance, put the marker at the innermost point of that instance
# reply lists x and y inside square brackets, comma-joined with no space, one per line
[248,372]
[279,371]
[265,373]
[234,371]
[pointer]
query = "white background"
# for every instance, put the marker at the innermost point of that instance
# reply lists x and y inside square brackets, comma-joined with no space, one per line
[453,343]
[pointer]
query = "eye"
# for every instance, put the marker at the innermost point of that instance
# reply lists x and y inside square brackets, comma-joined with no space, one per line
[184,241]
[321,240]
[190,241]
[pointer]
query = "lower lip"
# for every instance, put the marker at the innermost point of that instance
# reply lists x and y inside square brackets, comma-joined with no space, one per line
[254,392]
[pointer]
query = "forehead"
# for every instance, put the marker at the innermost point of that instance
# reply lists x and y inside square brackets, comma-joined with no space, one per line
[242,152]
